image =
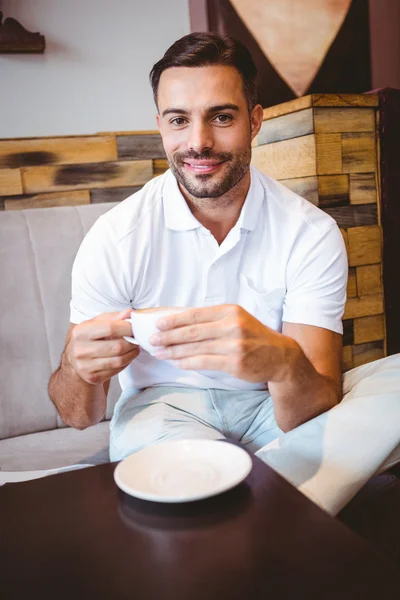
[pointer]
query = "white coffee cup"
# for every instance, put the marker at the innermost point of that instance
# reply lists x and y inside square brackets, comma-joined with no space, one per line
[143,322]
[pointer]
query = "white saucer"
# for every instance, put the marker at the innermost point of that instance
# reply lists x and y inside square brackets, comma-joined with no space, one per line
[183,470]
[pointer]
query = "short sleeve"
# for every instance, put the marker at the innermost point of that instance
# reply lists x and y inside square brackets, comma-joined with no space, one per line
[99,279]
[316,279]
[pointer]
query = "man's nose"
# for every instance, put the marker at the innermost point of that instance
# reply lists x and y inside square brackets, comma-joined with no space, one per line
[201,137]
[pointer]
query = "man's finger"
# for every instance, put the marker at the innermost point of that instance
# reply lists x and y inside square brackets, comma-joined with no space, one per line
[205,362]
[105,348]
[188,334]
[185,350]
[192,316]
[105,329]
[114,363]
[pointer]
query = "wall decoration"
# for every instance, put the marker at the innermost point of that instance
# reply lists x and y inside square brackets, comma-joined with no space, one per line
[14,38]
[294,36]
[299,46]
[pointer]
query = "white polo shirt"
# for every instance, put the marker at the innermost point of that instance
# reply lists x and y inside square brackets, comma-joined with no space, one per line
[284,260]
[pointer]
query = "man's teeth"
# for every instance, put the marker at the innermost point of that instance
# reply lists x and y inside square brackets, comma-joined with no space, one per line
[202,166]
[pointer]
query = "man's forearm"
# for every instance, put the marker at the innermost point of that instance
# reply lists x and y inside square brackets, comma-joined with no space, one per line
[302,393]
[79,404]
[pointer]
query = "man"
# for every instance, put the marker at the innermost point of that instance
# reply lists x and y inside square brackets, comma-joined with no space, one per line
[265,271]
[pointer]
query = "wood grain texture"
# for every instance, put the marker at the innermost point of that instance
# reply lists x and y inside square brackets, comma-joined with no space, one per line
[287,159]
[137,132]
[365,353]
[345,239]
[98,196]
[359,152]
[286,127]
[328,153]
[347,358]
[348,332]
[70,198]
[338,120]
[365,245]
[364,306]
[369,279]
[333,190]
[363,188]
[352,283]
[139,147]
[388,128]
[345,100]
[288,107]
[354,216]
[333,100]
[88,176]
[159,166]
[65,150]
[10,182]
[369,329]
[306,187]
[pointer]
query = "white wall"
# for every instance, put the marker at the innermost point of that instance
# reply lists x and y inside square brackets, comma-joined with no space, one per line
[93,75]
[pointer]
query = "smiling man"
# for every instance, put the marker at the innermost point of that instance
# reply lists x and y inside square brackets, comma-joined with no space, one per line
[264,271]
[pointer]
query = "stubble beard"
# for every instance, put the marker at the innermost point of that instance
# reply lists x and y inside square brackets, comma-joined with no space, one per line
[210,185]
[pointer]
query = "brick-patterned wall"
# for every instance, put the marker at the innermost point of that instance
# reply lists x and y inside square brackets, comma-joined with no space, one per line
[325,148]
[38,172]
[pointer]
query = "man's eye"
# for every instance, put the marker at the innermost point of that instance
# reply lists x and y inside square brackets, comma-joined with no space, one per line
[223,118]
[178,121]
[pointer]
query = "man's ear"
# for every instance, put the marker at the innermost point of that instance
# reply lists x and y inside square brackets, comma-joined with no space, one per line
[256,119]
[158,121]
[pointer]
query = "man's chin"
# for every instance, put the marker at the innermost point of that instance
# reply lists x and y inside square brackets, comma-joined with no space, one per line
[202,193]
[197,186]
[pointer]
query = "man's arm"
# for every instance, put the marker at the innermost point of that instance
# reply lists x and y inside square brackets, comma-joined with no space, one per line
[95,351]
[313,380]
[301,366]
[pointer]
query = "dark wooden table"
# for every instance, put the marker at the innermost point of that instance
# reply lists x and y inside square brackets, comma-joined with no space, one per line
[75,535]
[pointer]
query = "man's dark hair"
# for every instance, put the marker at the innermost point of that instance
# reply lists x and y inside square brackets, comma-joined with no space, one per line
[207,49]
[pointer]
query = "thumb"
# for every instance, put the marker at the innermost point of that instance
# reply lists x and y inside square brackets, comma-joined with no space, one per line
[124,314]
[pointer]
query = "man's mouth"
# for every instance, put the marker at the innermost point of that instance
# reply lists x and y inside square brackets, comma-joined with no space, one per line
[202,166]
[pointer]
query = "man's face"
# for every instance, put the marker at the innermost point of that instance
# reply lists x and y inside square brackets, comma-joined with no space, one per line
[206,127]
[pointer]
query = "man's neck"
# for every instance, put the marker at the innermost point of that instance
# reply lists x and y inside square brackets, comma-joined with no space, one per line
[219,215]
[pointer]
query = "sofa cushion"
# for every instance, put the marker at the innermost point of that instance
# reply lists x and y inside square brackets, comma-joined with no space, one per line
[38,247]
[56,448]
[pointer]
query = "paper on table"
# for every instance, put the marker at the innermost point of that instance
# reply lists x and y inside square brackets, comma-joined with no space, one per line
[17,476]
[331,457]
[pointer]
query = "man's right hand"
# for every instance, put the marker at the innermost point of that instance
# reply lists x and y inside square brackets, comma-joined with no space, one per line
[97,351]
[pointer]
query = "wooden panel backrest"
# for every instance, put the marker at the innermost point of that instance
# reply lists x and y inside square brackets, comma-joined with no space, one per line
[325,148]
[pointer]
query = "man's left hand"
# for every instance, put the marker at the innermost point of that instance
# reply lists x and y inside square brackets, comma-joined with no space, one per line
[225,338]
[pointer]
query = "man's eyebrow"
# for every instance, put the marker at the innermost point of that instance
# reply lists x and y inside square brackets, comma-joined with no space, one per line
[212,109]
[221,107]
[180,111]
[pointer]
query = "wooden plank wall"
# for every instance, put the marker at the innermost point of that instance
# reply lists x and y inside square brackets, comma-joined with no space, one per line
[325,148]
[59,171]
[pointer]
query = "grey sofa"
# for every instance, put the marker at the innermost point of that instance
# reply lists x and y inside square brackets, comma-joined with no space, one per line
[37,249]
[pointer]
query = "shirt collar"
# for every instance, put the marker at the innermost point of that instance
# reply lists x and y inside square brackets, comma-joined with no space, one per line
[249,215]
[179,217]
[177,214]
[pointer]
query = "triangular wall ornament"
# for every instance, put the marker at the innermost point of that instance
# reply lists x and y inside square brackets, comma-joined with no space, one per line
[295,35]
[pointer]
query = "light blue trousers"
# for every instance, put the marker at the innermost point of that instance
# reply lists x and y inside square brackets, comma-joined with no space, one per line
[163,413]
